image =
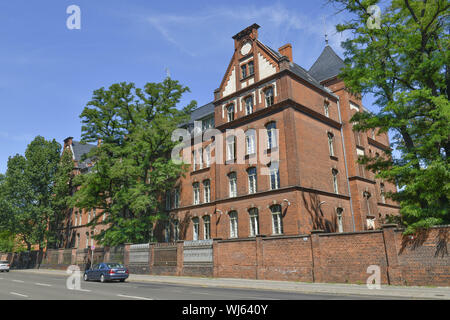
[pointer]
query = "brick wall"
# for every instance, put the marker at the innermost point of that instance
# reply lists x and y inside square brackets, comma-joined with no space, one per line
[315,257]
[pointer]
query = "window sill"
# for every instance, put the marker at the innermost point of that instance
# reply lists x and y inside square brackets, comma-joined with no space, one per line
[248,77]
[200,170]
[334,158]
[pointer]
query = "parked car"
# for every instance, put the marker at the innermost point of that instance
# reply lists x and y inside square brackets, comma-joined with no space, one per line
[107,271]
[4,266]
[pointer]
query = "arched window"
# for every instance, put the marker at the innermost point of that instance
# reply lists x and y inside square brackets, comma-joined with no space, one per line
[277,222]
[252,180]
[268,94]
[230,112]
[207,227]
[249,105]
[326,107]
[232,183]
[176,230]
[250,141]
[383,199]
[196,189]
[334,172]
[254,222]
[331,143]
[339,212]
[274,176]
[233,224]
[231,148]
[272,137]
[206,191]
[195,229]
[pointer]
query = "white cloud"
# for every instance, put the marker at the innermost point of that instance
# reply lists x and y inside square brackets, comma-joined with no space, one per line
[16,137]
[278,22]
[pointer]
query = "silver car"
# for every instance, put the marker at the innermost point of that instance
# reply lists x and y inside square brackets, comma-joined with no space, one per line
[4,266]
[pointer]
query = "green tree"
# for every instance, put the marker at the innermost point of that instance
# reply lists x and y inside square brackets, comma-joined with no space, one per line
[26,192]
[405,64]
[133,167]
[62,192]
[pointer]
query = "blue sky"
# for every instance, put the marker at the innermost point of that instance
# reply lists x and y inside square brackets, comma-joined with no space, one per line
[48,72]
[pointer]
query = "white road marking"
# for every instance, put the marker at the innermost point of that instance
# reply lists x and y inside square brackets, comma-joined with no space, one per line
[133,297]
[85,290]
[20,281]
[43,284]
[201,293]
[18,294]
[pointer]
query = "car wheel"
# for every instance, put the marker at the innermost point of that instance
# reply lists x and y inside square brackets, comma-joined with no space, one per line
[7,270]
[102,279]
[85,278]
[122,280]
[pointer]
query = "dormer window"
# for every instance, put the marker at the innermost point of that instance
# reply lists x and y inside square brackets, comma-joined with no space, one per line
[230,112]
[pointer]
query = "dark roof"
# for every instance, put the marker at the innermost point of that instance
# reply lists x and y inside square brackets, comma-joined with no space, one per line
[302,73]
[202,112]
[79,149]
[298,70]
[328,65]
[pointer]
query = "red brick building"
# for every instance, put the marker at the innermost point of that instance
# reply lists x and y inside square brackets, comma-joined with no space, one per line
[301,116]
[318,183]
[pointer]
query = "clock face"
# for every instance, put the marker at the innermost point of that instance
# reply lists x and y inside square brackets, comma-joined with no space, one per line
[246,47]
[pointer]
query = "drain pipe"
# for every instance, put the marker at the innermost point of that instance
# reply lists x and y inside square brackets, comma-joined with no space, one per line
[345,162]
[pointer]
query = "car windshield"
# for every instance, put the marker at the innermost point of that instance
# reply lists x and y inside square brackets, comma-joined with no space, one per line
[114,265]
[3,261]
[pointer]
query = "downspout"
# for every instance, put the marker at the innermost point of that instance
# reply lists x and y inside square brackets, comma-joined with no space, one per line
[345,162]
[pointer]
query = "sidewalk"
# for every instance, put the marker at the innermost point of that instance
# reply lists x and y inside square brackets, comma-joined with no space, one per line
[289,286]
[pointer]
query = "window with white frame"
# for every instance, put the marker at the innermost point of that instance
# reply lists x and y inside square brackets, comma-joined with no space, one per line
[195,229]
[206,227]
[230,112]
[232,184]
[252,180]
[250,141]
[254,222]
[334,172]
[340,224]
[249,105]
[89,216]
[268,94]
[233,224]
[87,240]
[80,217]
[271,129]
[208,123]
[277,222]
[200,157]
[77,244]
[231,148]
[206,191]
[207,155]
[196,187]
[274,176]
[383,199]
[331,143]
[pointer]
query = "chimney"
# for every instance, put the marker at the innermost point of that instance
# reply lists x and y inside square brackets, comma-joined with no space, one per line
[286,51]
[68,141]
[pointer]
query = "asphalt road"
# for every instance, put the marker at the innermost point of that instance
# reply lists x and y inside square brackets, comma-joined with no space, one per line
[24,286]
